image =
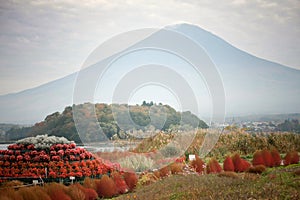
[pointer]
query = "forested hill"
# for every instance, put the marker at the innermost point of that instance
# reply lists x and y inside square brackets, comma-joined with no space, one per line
[62,124]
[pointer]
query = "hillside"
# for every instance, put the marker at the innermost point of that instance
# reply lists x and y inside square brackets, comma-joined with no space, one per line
[62,124]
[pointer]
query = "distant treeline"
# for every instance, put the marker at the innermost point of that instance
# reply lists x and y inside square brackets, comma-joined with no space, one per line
[291,125]
[62,124]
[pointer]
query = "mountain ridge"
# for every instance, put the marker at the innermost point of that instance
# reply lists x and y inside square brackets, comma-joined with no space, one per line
[252,85]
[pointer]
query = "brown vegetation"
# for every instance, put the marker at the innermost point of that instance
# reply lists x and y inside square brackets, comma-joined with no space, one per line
[106,187]
[131,180]
[257,169]
[198,164]
[213,166]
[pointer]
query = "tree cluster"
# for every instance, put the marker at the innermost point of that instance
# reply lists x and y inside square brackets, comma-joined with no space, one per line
[112,121]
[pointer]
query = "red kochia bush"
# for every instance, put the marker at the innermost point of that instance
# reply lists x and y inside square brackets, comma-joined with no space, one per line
[213,166]
[76,191]
[291,157]
[258,158]
[240,165]
[198,164]
[131,180]
[120,183]
[56,191]
[294,157]
[258,169]
[28,194]
[106,187]
[276,157]
[268,159]
[90,194]
[287,159]
[228,164]
[165,171]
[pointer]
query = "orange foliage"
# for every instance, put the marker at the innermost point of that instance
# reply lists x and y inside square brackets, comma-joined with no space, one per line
[41,193]
[156,173]
[131,180]
[10,194]
[106,187]
[258,169]
[228,164]
[165,171]
[176,167]
[198,165]
[89,183]
[213,166]
[57,191]
[228,174]
[76,192]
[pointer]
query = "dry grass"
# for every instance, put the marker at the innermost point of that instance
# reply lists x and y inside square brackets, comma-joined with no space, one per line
[233,141]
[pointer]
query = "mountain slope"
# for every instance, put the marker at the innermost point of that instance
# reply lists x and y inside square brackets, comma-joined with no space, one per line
[252,85]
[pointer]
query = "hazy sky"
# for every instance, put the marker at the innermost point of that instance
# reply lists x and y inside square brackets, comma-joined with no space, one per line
[45,40]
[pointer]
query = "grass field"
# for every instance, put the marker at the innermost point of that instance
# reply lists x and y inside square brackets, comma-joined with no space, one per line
[275,183]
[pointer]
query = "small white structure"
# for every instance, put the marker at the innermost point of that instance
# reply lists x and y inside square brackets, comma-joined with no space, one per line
[72,178]
[35,182]
[192,157]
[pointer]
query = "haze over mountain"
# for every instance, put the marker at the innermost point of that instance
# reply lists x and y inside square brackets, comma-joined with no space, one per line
[252,85]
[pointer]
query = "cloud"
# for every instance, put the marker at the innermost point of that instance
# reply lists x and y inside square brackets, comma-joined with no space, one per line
[56,37]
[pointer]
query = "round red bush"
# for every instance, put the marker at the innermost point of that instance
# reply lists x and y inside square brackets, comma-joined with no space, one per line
[131,180]
[106,187]
[213,166]
[276,157]
[228,164]
[258,158]
[268,159]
